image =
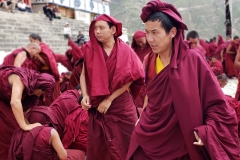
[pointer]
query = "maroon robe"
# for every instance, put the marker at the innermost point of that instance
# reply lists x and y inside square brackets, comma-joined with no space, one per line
[60,58]
[177,107]
[229,60]
[31,80]
[64,83]
[150,73]
[77,58]
[75,76]
[202,50]
[205,46]
[140,52]
[48,56]
[9,59]
[59,114]
[220,40]
[212,48]
[216,67]
[34,145]
[109,134]
[219,50]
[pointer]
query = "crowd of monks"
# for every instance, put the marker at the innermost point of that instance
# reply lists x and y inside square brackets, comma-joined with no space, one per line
[159,98]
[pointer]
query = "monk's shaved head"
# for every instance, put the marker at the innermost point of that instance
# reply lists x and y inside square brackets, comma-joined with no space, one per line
[34,45]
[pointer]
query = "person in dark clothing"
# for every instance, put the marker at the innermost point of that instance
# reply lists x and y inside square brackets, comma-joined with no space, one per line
[49,12]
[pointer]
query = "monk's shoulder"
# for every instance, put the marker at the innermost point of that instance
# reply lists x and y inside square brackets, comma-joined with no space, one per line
[194,54]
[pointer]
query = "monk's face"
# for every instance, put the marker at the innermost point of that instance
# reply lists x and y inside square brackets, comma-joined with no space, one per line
[194,42]
[34,40]
[222,83]
[214,59]
[157,38]
[236,40]
[38,92]
[33,51]
[103,33]
[141,42]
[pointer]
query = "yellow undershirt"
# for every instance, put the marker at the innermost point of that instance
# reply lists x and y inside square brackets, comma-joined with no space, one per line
[158,65]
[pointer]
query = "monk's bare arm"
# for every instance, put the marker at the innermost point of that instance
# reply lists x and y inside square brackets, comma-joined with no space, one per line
[83,82]
[145,102]
[119,91]
[38,57]
[57,145]
[221,55]
[237,59]
[20,58]
[228,49]
[106,103]
[16,104]
[86,100]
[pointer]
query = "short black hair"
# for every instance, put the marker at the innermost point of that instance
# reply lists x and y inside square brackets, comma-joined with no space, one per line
[235,37]
[166,21]
[211,40]
[110,24]
[214,38]
[192,34]
[222,77]
[35,36]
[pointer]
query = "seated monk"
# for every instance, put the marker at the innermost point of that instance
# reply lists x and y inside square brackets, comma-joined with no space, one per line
[64,81]
[40,143]
[64,112]
[223,80]
[216,66]
[46,63]
[20,89]
[22,57]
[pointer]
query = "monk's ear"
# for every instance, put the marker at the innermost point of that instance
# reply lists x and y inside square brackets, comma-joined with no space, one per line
[114,29]
[173,32]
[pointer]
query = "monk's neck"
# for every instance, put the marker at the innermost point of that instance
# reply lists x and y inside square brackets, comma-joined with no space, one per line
[166,56]
[108,46]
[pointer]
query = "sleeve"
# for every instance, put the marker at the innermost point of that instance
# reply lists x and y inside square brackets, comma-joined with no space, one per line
[219,132]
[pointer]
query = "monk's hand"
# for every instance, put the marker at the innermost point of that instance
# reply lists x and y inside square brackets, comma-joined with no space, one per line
[85,103]
[199,141]
[104,106]
[29,127]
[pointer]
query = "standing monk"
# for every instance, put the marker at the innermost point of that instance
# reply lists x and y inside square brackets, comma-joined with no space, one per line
[231,53]
[140,45]
[181,108]
[111,73]
[19,90]
[46,63]
[22,57]
[76,57]
[193,37]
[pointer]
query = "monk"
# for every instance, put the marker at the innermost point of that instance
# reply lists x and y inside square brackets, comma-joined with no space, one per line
[64,81]
[67,117]
[237,65]
[235,104]
[111,78]
[220,40]
[216,66]
[205,45]
[140,45]
[63,59]
[46,63]
[76,57]
[40,143]
[212,46]
[231,53]
[22,57]
[183,119]
[20,89]
[193,38]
